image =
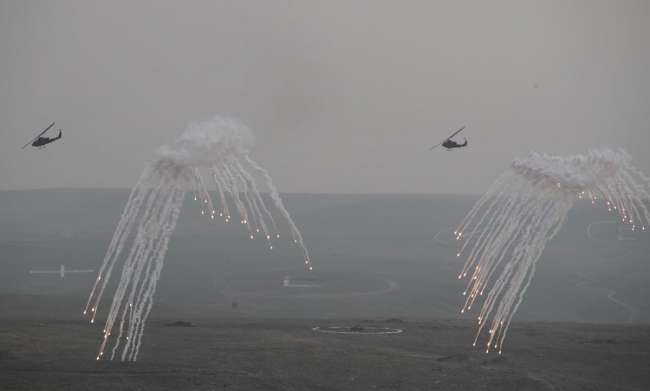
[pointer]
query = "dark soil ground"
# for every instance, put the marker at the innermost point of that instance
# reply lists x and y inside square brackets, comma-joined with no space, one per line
[47,344]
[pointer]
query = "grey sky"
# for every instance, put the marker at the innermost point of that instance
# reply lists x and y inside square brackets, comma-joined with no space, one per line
[342,96]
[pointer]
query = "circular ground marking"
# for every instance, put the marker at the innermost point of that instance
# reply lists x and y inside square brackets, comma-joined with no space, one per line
[366,330]
[619,232]
[279,284]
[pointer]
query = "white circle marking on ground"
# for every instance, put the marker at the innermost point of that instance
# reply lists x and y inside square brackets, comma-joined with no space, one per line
[335,330]
[610,241]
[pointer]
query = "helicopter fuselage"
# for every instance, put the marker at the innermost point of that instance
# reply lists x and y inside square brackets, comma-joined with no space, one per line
[449,144]
[42,141]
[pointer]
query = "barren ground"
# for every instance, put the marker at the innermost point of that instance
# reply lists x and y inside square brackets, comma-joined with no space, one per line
[45,343]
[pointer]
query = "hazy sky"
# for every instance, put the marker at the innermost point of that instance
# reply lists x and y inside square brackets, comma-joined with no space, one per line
[342,96]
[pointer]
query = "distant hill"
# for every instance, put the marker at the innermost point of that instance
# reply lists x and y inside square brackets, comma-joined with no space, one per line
[94,213]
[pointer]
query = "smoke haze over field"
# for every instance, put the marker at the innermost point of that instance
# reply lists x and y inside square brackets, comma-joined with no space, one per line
[341,96]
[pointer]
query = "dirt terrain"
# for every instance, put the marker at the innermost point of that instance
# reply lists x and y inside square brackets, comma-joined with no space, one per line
[46,343]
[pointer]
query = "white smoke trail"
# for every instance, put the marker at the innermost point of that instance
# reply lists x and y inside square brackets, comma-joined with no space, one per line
[275,196]
[231,183]
[122,232]
[526,206]
[257,198]
[219,183]
[157,199]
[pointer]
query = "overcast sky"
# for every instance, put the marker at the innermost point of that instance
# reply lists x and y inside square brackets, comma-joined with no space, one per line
[342,96]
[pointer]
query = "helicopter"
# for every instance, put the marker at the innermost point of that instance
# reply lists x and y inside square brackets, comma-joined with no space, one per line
[450,144]
[42,141]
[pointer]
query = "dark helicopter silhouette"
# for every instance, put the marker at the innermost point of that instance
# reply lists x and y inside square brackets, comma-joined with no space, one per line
[42,141]
[450,144]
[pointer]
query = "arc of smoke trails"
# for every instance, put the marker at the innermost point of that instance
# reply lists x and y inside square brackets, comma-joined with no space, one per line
[526,206]
[231,183]
[256,198]
[219,183]
[278,203]
[157,198]
[158,231]
[147,299]
[154,230]
[121,233]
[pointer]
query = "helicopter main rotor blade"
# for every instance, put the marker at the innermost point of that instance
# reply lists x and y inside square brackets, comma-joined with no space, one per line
[448,137]
[48,128]
[454,134]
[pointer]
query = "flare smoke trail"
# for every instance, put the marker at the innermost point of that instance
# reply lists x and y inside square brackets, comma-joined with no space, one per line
[524,209]
[157,198]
